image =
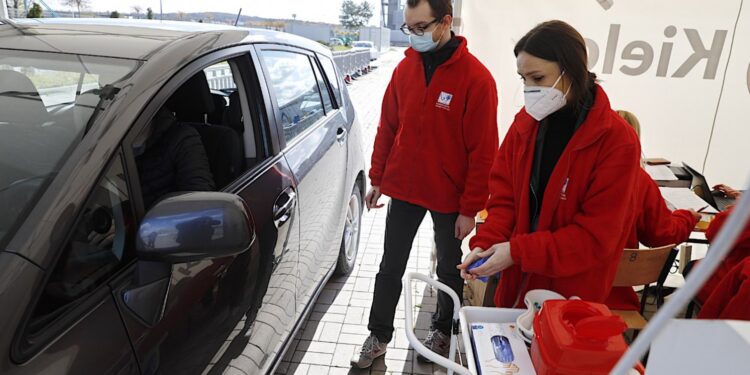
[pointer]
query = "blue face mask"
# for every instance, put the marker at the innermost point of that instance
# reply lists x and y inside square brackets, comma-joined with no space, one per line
[424,43]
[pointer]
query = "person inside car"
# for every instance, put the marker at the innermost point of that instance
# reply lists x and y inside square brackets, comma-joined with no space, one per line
[170,157]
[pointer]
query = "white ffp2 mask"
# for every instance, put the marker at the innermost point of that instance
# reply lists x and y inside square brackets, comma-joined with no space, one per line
[542,101]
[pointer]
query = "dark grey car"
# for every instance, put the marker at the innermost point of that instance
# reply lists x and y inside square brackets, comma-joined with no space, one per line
[96,280]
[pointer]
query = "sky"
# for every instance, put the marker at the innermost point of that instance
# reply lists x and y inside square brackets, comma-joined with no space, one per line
[308,10]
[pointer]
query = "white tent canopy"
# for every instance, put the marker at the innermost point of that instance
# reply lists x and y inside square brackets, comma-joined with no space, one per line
[681,66]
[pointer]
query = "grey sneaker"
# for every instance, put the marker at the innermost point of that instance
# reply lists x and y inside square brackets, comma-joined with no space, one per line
[436,341]
[371,349]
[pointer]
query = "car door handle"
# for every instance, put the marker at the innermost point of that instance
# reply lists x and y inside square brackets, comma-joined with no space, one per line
[284,207]
[341,135]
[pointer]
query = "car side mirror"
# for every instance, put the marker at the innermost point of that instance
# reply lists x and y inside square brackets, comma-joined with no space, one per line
[195,226]
[179,229]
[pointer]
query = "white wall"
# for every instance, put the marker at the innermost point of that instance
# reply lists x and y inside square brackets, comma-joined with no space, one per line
[378,35]
[675,100]
[315,31]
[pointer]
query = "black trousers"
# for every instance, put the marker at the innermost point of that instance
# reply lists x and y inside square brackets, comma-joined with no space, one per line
[401,227]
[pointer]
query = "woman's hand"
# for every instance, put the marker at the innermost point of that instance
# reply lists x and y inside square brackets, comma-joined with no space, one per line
[728,191]
[470,259]
[499,260]
[697,215]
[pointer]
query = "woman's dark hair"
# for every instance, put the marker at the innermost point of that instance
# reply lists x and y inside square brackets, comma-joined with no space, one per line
[440,8]
[559,42]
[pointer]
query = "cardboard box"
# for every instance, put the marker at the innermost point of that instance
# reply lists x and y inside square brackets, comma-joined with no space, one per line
[477,290]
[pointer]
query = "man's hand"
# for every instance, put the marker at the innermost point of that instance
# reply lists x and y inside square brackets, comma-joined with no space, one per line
[371,200]
[464,226]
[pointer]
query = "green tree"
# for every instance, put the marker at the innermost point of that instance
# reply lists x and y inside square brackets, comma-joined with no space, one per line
[149,13]
[35,11]
[78,4]
[114,14]
[353,15]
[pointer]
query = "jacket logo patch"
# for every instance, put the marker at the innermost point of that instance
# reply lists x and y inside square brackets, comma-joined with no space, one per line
[444,100]
[564,196]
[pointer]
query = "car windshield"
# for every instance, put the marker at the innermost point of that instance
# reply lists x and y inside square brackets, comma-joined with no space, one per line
[46,102]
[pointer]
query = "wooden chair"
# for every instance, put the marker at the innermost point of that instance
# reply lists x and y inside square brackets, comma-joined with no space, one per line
[643,267]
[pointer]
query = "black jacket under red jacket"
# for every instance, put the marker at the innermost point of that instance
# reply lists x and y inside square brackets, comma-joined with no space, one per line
[587,212]
[435,143]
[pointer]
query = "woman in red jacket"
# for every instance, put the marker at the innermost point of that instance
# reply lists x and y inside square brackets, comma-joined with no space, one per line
[655,225]
[562,187]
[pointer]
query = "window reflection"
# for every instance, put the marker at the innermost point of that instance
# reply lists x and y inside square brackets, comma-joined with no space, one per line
[296,90]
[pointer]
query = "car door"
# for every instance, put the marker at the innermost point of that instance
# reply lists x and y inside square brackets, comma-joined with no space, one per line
[313,136]
[65,319]
[227,312]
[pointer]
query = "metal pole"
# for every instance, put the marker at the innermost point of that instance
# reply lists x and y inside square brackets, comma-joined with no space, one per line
[161,12]
[238,17]
[4,11]
[49,9]
[383,4]
[449,363]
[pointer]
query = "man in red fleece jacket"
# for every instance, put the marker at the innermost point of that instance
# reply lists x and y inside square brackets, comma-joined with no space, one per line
[433,151]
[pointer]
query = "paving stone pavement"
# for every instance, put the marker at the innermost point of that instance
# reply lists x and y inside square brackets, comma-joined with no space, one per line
[338,323]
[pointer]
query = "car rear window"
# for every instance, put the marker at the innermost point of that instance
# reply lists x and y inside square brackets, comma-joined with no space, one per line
[46,101]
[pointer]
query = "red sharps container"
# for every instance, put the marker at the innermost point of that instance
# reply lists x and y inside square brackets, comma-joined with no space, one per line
[575,337]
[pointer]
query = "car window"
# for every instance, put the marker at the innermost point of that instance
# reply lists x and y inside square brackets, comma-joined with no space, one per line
[46,101]
[220,77]
[221,83]
[330,71]
[56,87]
[296,90]
[323,89]
[99,246]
